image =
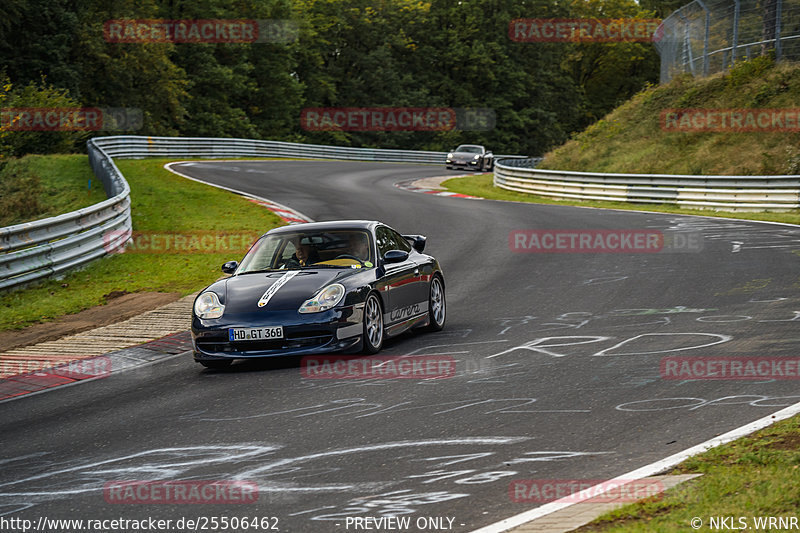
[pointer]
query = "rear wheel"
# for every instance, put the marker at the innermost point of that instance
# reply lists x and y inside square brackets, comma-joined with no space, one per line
[373,325]
[437,306]
[217,365]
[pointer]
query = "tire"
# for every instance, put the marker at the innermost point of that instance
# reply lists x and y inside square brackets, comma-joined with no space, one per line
[217,365]
[373,325]
[437,305]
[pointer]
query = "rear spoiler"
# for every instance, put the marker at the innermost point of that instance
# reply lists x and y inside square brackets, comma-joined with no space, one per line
[417,241]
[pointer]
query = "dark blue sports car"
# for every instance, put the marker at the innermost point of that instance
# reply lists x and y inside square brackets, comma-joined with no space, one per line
[319,288]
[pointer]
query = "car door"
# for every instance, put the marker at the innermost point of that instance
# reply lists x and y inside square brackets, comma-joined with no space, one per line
[400,280]
[420,285]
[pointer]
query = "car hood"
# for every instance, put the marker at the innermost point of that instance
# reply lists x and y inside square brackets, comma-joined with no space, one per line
[281,290]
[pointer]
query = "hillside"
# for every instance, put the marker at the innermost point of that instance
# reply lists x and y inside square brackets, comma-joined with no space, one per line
[637,138]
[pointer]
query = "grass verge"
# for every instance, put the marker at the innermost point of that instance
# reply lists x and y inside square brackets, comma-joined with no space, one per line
[637,138]
[164,206]
[481,185]
[38,186]
[755,476]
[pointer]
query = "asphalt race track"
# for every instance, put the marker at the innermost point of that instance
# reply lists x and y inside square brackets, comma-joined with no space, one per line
[558,372]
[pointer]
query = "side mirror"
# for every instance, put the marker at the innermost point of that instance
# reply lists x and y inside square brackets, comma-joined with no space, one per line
[230,267]
[417,241]
[395,256]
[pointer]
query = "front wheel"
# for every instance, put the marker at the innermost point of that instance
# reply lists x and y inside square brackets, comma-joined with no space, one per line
[437,306]
[373,325]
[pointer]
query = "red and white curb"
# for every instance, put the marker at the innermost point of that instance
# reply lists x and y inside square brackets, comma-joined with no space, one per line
[74,370]
[412,186]
[285,213]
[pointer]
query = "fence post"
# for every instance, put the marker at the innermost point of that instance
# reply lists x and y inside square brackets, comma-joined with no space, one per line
[706,35]
[687,44]
[778,9]
[735,31]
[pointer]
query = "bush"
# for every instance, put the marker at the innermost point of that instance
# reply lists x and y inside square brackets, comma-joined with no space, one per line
[15,143]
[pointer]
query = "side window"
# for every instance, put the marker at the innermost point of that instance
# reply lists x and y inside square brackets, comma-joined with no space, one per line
[400,242]
[384,240]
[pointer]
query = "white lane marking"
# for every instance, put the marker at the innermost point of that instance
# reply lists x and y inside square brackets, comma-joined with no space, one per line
[298,214]
[275,287]
[643,472]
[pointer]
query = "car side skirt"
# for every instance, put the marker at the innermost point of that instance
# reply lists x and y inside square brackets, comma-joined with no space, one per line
[419,318]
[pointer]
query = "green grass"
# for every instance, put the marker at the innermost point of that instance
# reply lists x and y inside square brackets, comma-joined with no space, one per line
[38,186]
[631,138]
[163,203]
[758,475]
[481,185]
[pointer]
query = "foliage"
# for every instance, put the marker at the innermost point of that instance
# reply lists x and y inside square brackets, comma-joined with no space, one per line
[348,53]
[634,137]
[17,142]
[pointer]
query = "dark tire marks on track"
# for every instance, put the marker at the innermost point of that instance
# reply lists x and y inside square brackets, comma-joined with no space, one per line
[558,372]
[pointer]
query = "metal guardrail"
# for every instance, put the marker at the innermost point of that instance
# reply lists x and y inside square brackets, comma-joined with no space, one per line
[38,249]
[42,248]
[131,146]
[735,193]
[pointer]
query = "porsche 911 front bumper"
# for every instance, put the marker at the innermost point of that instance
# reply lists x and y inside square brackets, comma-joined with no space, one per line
[337,330]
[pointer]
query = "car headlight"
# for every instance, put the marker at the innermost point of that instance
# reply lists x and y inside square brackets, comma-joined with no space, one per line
[476,157]
[325,299]
[207,306]
[450,155]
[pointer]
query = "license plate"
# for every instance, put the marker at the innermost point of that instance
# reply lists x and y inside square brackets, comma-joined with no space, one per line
[255,334]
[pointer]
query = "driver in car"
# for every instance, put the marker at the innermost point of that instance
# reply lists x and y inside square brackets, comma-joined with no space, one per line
[304,254]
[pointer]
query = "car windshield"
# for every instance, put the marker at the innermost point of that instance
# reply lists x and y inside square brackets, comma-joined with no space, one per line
[469,148]
[309,249]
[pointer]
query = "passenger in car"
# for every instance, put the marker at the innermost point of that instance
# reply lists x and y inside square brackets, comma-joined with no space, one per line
[358,245]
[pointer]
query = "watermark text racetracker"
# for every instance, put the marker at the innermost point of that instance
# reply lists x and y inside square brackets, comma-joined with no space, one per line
[200,31]
[730,368]
[579,490]
[90,367]
[395,367]
[583,30]
[71,119]
[180,492]
[397,119]
[199,242]
[780,120]
[603,241]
